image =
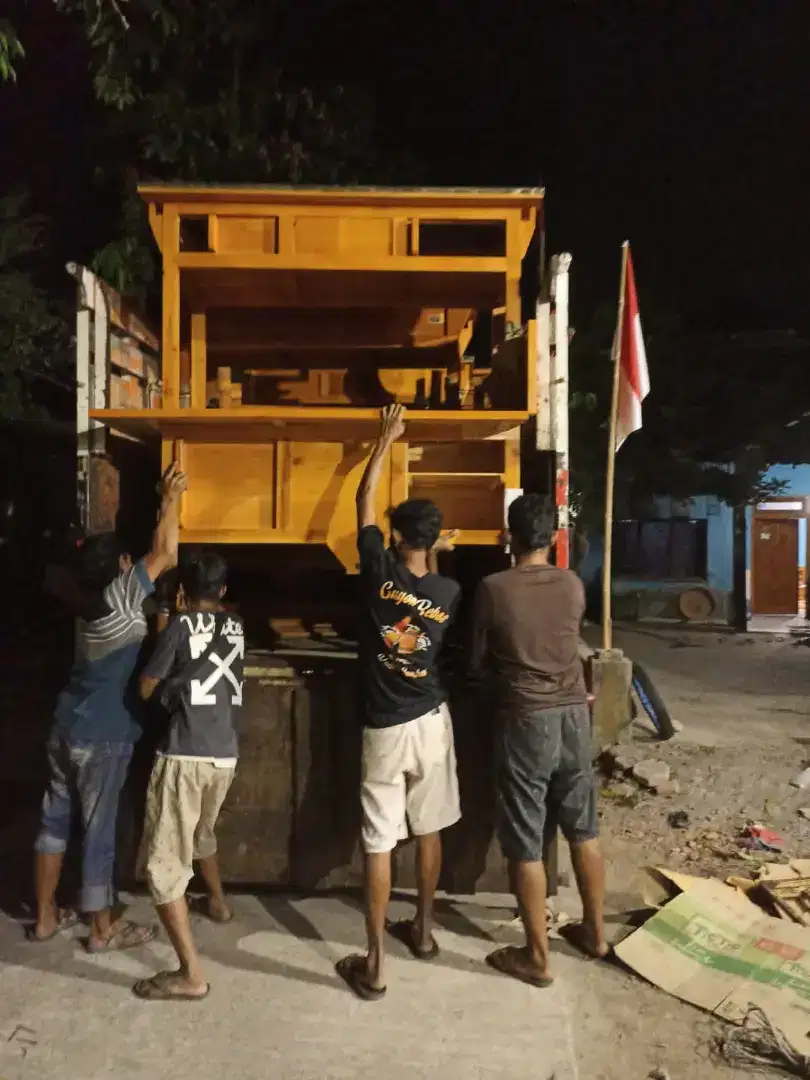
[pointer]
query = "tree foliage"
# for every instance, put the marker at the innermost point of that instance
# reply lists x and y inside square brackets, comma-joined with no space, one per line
[721,410]
[33,335]
[195,94]
[11,52]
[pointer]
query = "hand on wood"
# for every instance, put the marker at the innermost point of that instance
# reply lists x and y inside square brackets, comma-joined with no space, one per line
[173,483]
[392,423]
[447,540]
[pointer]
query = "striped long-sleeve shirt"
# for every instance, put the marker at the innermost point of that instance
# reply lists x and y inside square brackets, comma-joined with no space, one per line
[97,704]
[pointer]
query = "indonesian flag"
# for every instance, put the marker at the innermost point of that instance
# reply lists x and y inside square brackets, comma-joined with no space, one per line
[634,378]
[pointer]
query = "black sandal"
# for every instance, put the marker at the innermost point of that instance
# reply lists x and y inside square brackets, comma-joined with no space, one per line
[354,972]
[576,935]
[403,932]
[509,961]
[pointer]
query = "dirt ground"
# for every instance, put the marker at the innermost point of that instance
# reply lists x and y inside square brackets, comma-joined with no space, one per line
[744,703]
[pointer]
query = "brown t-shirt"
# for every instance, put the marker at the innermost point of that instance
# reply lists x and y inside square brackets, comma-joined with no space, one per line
[526,629]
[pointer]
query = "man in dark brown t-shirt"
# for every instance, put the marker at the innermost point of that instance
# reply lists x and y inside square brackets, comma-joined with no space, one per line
[526,631]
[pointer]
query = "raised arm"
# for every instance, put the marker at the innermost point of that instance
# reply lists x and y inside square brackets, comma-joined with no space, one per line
[392,428]
[166,537]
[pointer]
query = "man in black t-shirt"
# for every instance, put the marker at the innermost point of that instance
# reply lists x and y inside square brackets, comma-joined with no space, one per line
[409,762]
[198,663]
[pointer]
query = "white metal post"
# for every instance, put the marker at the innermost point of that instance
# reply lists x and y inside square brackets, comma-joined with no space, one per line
[560,265]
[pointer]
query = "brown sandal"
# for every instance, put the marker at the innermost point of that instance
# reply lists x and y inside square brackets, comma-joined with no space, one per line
[404,932]
[66,921]
[158,988]
[127,935]
[513,961]
[576,935]
[354,972]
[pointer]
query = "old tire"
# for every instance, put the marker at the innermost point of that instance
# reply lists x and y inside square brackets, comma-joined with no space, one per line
[652,702]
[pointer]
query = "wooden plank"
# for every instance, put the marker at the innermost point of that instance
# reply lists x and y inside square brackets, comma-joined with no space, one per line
[201,536]
[156,225]
[355,261]
[170,337]
[532,388]
[283,513]
[180,457]
[199,360]
[398,481]
[260,423]
[195,199]
[511,476]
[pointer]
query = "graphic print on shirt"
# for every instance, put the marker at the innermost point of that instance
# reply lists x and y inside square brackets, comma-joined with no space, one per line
[404,639]
[201,628]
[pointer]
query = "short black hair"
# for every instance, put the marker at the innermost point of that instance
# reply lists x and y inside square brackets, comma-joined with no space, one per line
[532,521]
[418,522]
[98,560]
[203,575]
[94,563]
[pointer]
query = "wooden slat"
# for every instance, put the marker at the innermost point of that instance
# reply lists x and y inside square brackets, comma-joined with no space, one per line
[283,513]
[199,360]
[170,337]
[259,423]
[359,261]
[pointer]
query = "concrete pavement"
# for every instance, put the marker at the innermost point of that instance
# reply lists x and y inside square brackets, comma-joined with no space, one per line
[277,1008]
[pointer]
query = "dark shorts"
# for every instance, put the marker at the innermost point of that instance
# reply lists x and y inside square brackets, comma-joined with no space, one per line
[544,766]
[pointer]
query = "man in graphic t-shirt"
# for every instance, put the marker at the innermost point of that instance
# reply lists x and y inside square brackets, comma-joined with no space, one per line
[409,762]
[198,663]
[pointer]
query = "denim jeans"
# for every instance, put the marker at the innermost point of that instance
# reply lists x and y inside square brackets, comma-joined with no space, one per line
[85,780]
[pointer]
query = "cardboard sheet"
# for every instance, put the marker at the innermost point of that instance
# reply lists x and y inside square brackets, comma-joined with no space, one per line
[714,948]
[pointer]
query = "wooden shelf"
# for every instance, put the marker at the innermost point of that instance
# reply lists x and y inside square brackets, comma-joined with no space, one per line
[417,474]
[271,423]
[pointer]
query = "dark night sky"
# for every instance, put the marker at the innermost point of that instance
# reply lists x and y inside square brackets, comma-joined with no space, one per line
[680,125]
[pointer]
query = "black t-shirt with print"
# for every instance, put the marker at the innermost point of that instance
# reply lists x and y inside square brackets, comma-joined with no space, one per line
[405,621]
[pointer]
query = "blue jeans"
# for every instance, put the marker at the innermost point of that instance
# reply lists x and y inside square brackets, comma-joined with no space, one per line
[86,777]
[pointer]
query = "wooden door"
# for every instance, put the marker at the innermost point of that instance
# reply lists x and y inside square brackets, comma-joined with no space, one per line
[774,569]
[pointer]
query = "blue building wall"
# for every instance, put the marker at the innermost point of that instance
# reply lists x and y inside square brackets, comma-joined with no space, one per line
[719,538]
[719,535]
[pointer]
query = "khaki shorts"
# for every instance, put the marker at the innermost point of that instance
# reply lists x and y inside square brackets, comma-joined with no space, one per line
[183,801]
[409,778]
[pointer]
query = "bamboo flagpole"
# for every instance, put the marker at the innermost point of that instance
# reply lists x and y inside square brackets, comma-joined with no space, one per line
[610,479]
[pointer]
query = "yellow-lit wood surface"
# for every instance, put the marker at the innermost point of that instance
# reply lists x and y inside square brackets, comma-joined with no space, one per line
[282,493]
[250,424]
[322,305]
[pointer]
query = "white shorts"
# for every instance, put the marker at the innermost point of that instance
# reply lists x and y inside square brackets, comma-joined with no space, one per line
[409,778]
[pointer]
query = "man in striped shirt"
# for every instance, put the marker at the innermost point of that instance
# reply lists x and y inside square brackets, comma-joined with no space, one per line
[96,725]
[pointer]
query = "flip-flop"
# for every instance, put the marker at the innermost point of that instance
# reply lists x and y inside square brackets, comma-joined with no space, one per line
[402,931]
[507,961]
[354,972]
[157,989]
[575,935]
[66,921]
[128,936]
[201,905]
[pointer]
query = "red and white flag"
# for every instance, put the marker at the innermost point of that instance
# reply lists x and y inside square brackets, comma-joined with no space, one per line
[634,377]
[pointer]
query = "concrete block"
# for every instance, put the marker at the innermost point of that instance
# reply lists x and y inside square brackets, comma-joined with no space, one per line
[610,676]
